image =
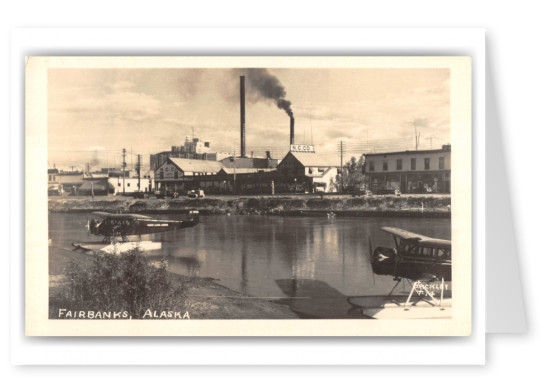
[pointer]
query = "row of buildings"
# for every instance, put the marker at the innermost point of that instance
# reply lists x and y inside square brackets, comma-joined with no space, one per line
[193,166]
[106,181]
[426,171]
[296,172]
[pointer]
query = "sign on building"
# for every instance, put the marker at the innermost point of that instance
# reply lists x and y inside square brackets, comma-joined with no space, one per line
[169,171]
[302,148]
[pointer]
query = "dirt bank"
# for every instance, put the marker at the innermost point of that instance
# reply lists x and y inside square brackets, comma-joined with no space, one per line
[203,298]
[405,205]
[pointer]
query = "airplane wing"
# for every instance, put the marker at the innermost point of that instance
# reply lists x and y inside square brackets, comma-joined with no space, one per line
[402,233]
[442,243]
[422,239]
[117,216]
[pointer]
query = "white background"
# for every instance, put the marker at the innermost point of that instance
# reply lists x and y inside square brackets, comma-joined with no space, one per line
[517,39]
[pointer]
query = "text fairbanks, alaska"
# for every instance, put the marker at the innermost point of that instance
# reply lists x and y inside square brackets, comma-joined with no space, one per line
[64,313]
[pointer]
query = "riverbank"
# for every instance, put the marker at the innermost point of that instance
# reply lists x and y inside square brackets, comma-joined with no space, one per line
[437,205]
[202,298]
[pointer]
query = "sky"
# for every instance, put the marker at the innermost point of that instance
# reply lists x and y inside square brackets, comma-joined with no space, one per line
[94,113]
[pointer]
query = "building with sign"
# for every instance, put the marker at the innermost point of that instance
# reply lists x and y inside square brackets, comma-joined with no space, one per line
[302,148]
[309,172]
[427,171]
[181,175]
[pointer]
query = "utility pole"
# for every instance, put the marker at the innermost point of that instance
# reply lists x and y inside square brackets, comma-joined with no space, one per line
[342,170]
[123,170]
[234,178]
[138,166]
[417,135]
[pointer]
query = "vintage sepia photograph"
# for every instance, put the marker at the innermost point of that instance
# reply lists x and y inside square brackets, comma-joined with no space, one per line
[248,196]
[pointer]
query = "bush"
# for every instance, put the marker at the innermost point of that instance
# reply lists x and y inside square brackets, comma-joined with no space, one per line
[253,203]
[356,202]
[115,282]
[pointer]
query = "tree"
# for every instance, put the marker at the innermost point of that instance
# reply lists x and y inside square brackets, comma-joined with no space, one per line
[353,173]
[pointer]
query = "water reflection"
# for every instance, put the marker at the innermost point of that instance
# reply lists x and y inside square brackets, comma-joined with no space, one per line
[269,256]
[244,275]
[188,266]
[316,299]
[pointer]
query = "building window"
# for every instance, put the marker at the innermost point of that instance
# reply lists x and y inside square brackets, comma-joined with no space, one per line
[128,185]
[371,165]
[385,165]
[399,164]
[440,163]
[413,164]
[427,163]
[118,184]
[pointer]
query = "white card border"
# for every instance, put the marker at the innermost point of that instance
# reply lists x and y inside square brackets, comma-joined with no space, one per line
[289,351]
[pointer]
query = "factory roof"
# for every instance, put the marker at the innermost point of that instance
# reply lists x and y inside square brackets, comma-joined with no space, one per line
[230,171]
[249,162]
[193,165]
[313,159]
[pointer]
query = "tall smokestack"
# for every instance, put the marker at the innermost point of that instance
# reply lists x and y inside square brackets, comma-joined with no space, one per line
[242,79]
[292,130]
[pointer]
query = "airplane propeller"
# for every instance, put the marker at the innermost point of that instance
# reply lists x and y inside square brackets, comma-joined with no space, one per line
[370,257]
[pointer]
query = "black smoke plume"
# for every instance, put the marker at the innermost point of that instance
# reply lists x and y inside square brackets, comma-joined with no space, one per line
[262,84]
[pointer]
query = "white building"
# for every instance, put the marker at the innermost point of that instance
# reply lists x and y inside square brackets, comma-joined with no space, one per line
[129,185]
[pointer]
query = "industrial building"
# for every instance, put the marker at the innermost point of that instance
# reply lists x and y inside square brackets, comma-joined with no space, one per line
[180,175]
[194,149]
[427,171]
[309,172]
[297,173]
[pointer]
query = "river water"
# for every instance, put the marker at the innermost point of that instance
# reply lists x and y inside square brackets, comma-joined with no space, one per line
[275,257]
